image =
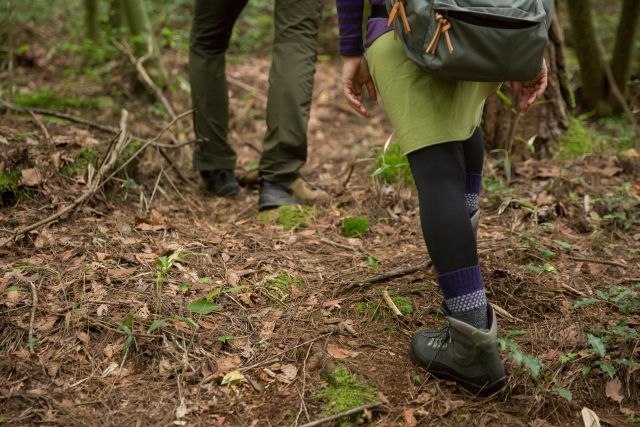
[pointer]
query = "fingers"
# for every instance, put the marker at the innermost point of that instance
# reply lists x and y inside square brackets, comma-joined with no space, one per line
[371,90]
[355,100]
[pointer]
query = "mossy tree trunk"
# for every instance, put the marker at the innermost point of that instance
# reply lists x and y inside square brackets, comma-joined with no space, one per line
[139,25]
[506,129]
[91,19]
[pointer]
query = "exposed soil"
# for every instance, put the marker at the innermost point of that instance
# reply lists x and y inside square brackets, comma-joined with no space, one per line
[556,234]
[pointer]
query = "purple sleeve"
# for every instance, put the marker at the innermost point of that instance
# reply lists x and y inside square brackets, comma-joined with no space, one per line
[350,26]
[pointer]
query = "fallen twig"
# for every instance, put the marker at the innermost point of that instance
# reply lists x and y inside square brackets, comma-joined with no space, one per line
[342,414]
[110,160]
[42,127]
[34,306]
[387,276]
[272,359]
[505,314]
[339,245]
[597,261]
[392,305]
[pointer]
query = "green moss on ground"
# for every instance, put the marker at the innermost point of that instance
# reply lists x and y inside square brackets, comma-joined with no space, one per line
[355,226]
[404,304]
[392,167]
[345,392]
[289,217]
[281,284]
[85,157]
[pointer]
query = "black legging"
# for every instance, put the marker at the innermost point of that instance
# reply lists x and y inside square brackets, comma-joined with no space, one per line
[439,172]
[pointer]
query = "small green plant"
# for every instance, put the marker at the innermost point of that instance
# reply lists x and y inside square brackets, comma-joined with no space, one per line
[355,226]
[206,305]
[404,304]
[45,97]
[372,262]
[392,166]
[344,392]
[85,157]
[157,324]
[10,189]
[280,285]
[127,327]
[577,140]
[289,217]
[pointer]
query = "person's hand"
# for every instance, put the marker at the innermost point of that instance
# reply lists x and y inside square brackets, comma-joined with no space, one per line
[529,92]
[355,74]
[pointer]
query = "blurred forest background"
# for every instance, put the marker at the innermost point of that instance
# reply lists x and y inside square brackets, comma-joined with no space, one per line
[130,297]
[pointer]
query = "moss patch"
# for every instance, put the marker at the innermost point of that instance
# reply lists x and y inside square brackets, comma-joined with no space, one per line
[81,163]
[345,392]
[289,217]
[404,304]
[10,189]
[47,98]
[355,226]
[280,284]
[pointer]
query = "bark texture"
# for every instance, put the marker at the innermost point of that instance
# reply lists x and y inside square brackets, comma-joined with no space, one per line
[505,129]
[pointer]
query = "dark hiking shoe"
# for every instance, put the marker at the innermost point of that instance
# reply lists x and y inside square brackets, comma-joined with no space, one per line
[475,221]
[275,194]
[462,353]
[222,182]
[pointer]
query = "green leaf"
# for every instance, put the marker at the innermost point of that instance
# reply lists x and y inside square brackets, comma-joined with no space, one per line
[202,306]
[127,327]
[563,393]
[564,245]
[568,357]
[232,377]
[157,323]
[585,301]
[189,321]
[225,338]
[214,293]
[586,370]
[534,268]
[533,365]
[515,332]
[608,368]
[546,253]
[630,363]
[597,345]
[549,267]
[504,98]
[205,281]
[235,290]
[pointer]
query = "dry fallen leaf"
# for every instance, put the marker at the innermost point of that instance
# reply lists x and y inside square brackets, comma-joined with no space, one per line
[613,390]
[590,418]
[340,353]
[409,417]
[289,373]
[31,177]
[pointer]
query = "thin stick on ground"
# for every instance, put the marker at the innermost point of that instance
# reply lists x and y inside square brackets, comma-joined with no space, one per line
[34,306]
[42,127]
[342,414]
[598,261]
[110,160]
[392,305]
[387,276]
[303,407]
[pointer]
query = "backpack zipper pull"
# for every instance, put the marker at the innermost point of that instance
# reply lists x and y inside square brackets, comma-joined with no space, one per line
[398,8]
[444,25]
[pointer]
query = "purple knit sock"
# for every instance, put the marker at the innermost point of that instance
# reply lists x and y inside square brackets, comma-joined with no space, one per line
[473,184]
[464,295]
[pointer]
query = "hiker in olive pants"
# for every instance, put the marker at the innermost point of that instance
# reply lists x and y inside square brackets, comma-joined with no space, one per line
[289,98]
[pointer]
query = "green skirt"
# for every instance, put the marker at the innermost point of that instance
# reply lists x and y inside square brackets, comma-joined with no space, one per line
[423,109]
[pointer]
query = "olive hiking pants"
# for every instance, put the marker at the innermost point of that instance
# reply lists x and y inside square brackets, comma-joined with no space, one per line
[290,85]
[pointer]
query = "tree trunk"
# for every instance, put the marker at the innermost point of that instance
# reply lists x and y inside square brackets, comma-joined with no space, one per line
[115,14]
[625,38]
[91,19]
[144,42]
[506,129]
[592,75]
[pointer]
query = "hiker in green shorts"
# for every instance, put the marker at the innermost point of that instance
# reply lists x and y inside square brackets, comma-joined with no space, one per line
[436,123]
[289,97]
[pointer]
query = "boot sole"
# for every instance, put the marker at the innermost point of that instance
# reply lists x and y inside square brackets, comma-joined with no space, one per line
[228,190]
[478,390]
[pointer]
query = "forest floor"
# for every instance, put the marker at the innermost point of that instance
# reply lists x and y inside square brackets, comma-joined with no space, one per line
[102,312]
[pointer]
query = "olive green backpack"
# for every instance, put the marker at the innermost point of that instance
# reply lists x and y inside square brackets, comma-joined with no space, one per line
[474,40]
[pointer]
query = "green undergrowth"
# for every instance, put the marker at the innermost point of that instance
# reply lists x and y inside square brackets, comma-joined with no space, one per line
[85,157]
[379,311]
[343,392]
[45,97]
[355,226]
[10,189]
[289,217]
[280,284]
[392,167]
[585,136]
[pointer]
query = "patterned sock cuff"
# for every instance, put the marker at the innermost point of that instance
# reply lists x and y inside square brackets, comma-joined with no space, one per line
[461,282]
[467,302]
[473,183]
[472,202]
